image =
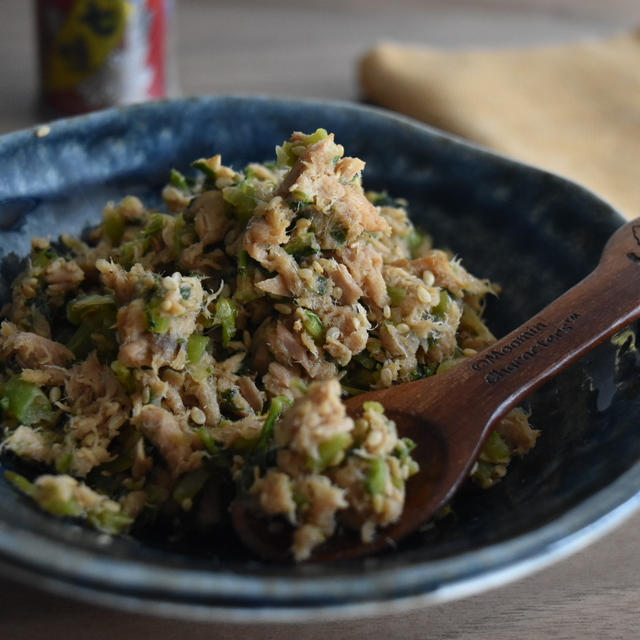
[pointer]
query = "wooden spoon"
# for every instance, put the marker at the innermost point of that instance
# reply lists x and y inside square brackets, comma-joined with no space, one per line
[450,415]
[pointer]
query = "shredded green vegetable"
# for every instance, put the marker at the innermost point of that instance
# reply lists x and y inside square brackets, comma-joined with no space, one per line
[25,402]
[189,486]
[330,452]
[377,476]
[196,348]
[225,316]
[277,406]
[313,326]
[396,295]
[178,180]
[206,165]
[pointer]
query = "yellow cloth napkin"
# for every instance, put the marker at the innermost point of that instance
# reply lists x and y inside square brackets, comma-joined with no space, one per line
[573,109]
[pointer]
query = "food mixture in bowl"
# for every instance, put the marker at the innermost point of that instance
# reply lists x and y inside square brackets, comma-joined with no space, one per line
[172,361]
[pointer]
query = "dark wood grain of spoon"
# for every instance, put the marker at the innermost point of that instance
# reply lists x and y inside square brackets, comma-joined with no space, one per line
[450,415]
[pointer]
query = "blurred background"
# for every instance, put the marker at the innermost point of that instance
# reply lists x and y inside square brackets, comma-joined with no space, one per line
[310,48]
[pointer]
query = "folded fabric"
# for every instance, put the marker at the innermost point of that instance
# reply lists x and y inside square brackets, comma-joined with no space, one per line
[572,109]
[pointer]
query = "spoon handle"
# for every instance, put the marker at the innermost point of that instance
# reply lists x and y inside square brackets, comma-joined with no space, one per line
[451,414]
[601,304]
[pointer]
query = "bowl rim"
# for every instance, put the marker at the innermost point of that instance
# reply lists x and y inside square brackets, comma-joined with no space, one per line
[227,595]
[468,574]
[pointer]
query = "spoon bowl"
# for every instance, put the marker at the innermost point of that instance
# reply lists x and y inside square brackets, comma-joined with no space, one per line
[449,434]
[271,538]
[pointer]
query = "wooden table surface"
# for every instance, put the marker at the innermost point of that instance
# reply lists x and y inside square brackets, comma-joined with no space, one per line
[310,50]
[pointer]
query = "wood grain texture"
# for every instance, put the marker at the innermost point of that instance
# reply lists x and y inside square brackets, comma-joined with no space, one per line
[310,49]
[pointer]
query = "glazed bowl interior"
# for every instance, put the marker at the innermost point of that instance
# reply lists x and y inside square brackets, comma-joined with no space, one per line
[532,232]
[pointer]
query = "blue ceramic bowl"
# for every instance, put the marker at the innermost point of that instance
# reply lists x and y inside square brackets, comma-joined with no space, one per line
[535,233]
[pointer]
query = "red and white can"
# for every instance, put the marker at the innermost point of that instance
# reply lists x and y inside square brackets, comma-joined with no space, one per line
[102,53]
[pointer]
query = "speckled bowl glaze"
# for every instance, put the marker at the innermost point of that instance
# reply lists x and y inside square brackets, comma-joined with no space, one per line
[533,232]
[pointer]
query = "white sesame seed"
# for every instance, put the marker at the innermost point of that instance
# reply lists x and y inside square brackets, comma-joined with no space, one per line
[403,327]
[368,531]
[333,333]
[170,282]
[394,466]
[423,295]
[284,309]
[305,273]
[43,131]
[198,416]
[55,394]
[374,439]
[166,305]
[428,278]
[386,311]
[337,292]
[469,352]
[386,377]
